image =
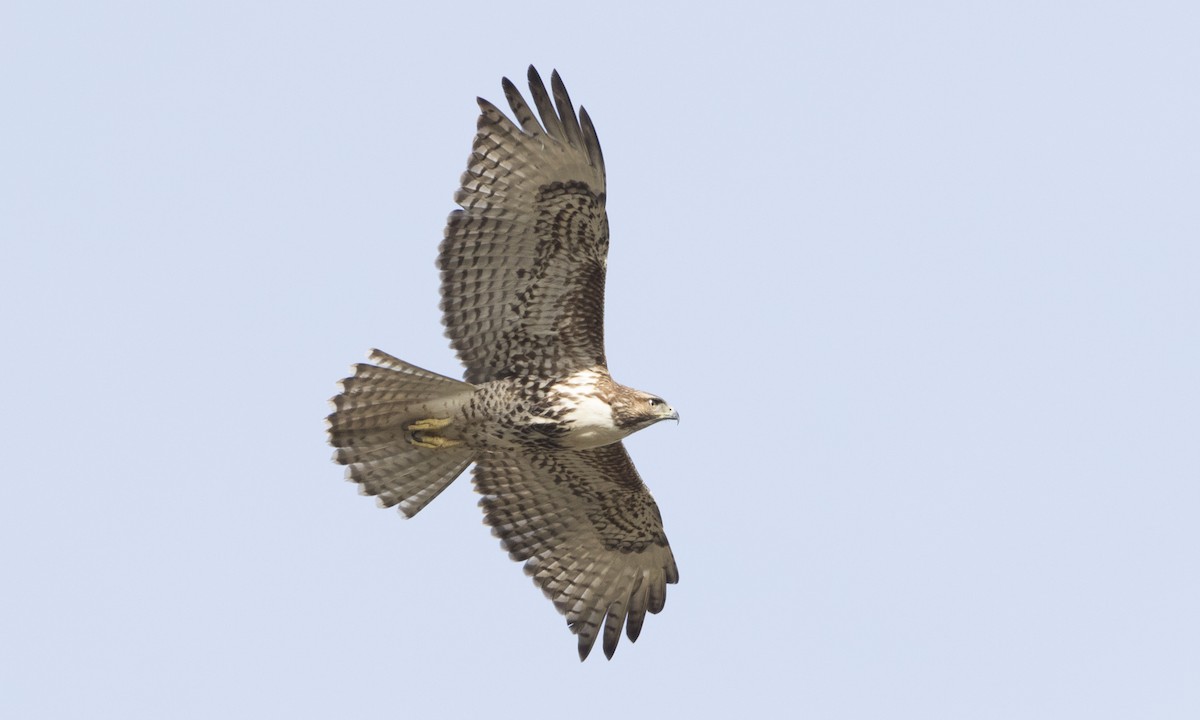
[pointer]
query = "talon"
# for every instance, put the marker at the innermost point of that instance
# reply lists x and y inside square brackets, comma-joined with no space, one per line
[429,424]
[424,434]
[433,442]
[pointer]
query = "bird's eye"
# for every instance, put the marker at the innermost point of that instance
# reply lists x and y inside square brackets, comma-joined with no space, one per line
[655,401]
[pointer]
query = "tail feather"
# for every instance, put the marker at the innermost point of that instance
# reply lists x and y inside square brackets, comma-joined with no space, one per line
[368,452]
[392,362]
[410,479]
[382,384]
[393,381]
[369,414]
[369,428]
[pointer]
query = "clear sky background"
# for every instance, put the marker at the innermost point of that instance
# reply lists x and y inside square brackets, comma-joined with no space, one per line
[923,280]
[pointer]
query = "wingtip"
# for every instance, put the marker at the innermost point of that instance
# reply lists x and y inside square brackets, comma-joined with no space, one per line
[537,87]
[633,632]
[586,643]
[487,111]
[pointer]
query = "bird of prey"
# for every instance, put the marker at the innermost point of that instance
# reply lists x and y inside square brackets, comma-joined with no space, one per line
[522,282]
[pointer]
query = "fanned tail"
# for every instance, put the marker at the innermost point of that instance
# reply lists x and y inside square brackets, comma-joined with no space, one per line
[370,427]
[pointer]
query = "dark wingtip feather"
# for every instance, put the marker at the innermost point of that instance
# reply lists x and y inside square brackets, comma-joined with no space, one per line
[633,628]
[524,115]
[484,105]
[545,106]
[614,621]
[489,114]
[636,614]
[585,646]
[610,641]
[566,110]
[590,140]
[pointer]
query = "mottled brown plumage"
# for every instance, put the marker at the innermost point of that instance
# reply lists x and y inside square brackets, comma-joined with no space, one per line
[522,267]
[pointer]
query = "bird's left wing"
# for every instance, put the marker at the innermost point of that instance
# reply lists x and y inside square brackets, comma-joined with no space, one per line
[588,531]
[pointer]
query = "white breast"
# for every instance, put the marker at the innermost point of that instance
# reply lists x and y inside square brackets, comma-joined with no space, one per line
[588,418]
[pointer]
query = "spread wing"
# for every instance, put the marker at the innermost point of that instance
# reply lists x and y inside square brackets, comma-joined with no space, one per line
[523,261]
[588,531]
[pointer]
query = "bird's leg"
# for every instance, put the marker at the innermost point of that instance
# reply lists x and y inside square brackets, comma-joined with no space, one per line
[423,433]
[433,442]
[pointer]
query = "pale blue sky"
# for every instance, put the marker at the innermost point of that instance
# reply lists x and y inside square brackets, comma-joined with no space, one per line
[922,279]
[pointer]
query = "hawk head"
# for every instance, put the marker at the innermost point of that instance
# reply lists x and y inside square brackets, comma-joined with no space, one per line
[633,410]
[595,410]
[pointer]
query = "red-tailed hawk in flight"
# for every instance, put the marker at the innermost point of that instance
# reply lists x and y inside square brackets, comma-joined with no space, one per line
[522,267]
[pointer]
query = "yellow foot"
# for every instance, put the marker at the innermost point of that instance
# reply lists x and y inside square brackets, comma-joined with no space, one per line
[424,434]
[429,424]
[433,442]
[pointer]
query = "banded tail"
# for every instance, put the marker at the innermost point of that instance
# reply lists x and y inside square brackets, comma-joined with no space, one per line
[372,429]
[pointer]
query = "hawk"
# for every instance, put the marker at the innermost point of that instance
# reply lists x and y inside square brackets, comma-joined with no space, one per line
[522,283]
